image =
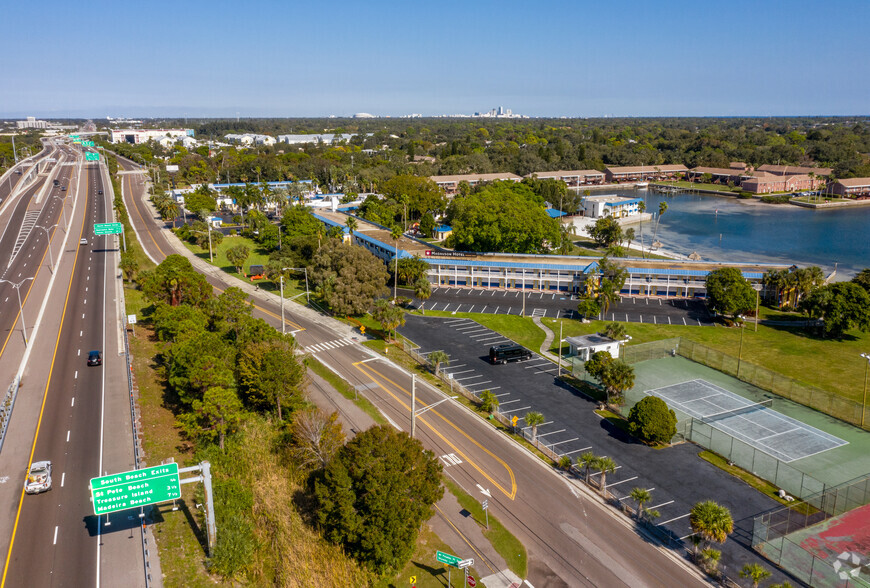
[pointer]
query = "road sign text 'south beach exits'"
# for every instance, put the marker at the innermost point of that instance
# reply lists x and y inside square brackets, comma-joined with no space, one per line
[135,488]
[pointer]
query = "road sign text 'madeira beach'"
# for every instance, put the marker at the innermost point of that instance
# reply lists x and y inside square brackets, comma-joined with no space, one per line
[135,488]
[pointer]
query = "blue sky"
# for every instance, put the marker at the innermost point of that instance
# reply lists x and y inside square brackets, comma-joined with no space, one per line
[582,58]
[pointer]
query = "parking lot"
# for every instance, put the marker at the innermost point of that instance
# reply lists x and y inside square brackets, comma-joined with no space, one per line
[662,311]
[675,476]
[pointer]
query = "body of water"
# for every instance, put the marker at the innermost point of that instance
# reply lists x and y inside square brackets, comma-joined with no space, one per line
[722,228]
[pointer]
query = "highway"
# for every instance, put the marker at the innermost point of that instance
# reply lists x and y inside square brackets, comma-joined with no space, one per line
[572,539]
[55,539]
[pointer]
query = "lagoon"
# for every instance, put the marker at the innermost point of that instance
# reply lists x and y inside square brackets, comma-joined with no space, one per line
[722,228]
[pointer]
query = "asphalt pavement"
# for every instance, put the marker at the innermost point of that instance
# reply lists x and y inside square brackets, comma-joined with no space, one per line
[635,309]
[676,476]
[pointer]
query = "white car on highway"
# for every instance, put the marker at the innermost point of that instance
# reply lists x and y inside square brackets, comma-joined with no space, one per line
[38,478]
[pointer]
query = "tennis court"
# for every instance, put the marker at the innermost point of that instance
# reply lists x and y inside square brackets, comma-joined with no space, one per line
[754,423]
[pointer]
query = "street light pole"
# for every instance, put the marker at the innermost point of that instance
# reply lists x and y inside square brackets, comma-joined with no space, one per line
[559,369]
[20,306]
[866,369]
[48,244]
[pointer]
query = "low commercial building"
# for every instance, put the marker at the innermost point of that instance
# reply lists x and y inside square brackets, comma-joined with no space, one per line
[573,178]
[851,187]
[637,173]
[137,136]
[609,205]
[450,184]
[248,139]
[327,138]
[585,346]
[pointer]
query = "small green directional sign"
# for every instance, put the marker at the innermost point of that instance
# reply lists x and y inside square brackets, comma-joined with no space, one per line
[90,156]
[446,558]
[73,136]
[87,143]
[108,229]
[135,488]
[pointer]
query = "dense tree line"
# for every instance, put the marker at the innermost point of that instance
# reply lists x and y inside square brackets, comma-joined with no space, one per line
[384,148]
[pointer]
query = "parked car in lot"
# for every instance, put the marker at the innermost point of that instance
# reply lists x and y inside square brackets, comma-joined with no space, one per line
[95,358]
[508,352]
[38,478]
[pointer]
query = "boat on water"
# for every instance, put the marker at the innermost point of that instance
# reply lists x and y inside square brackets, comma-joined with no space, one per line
[642,185]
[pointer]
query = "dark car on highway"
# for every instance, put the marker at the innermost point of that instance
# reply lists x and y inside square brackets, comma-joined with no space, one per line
[95,358]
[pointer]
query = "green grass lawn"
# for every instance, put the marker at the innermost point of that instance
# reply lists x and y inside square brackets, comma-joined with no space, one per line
[258,256]
[831,365]
[701,186]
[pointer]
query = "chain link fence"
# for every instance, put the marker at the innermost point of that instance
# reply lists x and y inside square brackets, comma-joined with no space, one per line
[774,536]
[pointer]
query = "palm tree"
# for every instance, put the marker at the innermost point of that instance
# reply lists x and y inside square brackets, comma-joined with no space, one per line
[710,559]
[629,236]
[640,496]
[711,521]
[395,234]
[422,290]
[641,208]
[755,572]
[605,465]
[663,208]
[587,461]
[436,358]
[533,419]
[351,225]
[488,401]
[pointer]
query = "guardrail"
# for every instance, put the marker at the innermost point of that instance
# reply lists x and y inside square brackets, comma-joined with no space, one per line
[6,408]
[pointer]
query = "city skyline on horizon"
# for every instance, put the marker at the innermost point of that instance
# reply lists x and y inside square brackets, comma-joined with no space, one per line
[389,59]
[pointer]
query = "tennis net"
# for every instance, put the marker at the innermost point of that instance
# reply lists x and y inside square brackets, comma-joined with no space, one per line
[749,408]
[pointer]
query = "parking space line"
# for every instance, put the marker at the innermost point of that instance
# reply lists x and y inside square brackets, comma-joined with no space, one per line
[514,410]
[662,504]
[578,450]
[467,327]
[560,442]
[550,433]
[468,377]
[509,401]
[462,372]
[673,519]
[621,482]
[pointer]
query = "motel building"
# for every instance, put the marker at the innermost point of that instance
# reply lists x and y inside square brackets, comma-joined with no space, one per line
[450,184]
[637,173]
[537,273]
[852,187]
[573,178]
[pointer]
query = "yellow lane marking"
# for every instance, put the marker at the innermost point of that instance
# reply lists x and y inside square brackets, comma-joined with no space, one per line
[44,395]
[513,491]
[154,241]
[464,538]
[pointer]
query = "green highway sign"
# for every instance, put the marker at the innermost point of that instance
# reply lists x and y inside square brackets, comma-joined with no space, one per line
[136,488]
[87,143]
[74,136]
[78,141]
[90,156]
[446,558]
[108,229]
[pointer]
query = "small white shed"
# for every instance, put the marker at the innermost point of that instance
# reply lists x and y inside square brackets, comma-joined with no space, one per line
[584,346]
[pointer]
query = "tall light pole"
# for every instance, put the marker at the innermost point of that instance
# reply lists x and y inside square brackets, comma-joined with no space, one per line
[20,307]
[866,369]
[281,282]
[48,244]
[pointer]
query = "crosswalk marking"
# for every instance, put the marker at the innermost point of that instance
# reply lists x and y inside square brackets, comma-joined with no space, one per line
[324,345]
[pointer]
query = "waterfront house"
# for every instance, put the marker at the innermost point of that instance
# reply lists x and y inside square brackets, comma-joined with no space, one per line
[769,183]
[609,205]
[794,170]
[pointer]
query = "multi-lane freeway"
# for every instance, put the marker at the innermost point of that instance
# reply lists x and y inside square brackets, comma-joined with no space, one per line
[572,539]
[66,412]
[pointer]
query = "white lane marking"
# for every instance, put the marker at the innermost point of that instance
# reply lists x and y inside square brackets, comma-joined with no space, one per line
[83,315]
[55,536]
[76,376]
[80,333]
[67,436]
[80,352]
[73,403]
[62,478]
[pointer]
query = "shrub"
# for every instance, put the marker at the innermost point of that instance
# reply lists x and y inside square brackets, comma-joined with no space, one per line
[652,421]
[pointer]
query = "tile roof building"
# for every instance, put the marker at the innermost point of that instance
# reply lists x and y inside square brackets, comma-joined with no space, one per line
[793,170]
[573,178]
[635,173]
[450,184]
[858,187]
